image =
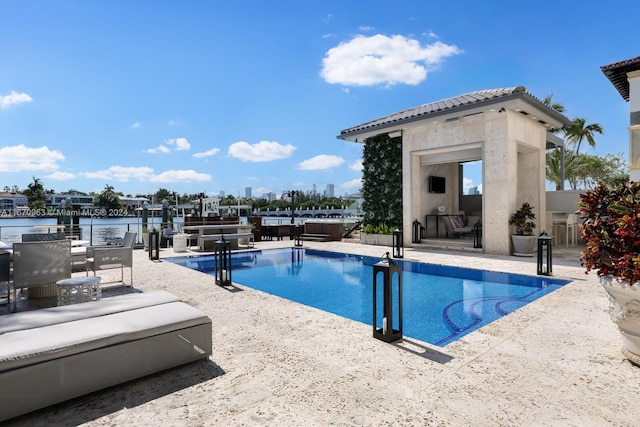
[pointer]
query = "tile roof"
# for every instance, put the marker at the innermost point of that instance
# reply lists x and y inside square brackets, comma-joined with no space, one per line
[465,101]
[617,74]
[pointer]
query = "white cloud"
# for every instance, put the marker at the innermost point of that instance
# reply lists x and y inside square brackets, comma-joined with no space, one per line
[173,122]
[21,158]
[364,28]
[180,143]
[382,60]
[14,98]
[121,173]
[136,125]
[145,174]
[263,151]
[323,161]
[353,184]
[61,176]
[159,149]
[181,176]
[356,166]
[208,153]
[263,190]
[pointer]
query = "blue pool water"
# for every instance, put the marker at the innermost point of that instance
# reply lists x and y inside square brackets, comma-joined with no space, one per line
[440,304]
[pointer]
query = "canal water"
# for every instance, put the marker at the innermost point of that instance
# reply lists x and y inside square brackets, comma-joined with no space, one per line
[95,230]
[98,230]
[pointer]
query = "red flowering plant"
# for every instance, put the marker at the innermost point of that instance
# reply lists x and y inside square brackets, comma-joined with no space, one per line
[611,230]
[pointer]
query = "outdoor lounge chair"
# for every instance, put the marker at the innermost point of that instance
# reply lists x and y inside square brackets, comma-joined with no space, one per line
[38,264]
[109,257]
[455,227]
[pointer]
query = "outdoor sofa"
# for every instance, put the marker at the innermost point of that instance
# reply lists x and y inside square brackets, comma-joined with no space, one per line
[55,354]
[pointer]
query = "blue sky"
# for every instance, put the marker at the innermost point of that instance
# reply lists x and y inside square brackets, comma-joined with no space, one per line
[202,96]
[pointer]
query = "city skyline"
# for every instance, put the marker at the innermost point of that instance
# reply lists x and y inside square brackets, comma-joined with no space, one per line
[144,97]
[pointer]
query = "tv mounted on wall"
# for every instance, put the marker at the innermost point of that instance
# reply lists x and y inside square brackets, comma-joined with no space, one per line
[437,184]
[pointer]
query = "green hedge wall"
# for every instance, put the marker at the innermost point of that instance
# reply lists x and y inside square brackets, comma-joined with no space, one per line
[382,181]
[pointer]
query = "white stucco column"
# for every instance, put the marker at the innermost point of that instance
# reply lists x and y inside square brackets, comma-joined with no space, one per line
[499,183]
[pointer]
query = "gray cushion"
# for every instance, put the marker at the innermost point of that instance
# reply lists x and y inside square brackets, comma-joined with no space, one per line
[54,315]
[31,346]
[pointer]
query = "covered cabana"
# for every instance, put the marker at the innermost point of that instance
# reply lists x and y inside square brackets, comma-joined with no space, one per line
[507,129]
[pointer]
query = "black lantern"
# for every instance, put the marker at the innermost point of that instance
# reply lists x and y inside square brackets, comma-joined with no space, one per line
[297,232]
[477,234]
[154,245]
[388,332]
[544,263]
[398,248]
[222,260]
[416,232]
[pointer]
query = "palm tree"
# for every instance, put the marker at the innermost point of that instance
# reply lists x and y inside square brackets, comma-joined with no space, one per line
[554,106]
[578,132]
[36,194]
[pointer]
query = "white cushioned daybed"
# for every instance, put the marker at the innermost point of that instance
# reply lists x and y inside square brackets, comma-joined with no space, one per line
[54,354]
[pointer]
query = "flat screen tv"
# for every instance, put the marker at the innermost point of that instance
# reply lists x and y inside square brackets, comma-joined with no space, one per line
[437,184]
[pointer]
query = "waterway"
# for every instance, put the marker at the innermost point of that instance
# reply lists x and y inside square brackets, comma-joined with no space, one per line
[98,230]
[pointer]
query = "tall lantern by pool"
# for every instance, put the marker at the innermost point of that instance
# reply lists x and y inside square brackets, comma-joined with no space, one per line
[222,260]
[154,245]
[544,248]
[398,245]
[390,330]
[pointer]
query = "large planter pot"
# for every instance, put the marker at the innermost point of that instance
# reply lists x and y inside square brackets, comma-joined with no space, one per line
[376,239]
[625,313]
[145,240]
[523,245]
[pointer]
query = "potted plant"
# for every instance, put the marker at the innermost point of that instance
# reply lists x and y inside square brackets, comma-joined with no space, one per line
[523,240]
[381,235]
[611,232]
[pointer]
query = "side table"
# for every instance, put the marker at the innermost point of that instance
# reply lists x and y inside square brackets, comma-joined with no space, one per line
[79,289]
[180,242]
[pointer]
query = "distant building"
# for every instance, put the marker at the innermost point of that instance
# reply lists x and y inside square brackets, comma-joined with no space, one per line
[12,202]
[78,200]
[474,190]
[132,203]
[247,192]
[222,194]
[330,191]
[314,190]
[625,77]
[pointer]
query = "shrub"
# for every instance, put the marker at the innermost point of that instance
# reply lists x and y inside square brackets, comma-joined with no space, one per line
[611,230]
[523,220]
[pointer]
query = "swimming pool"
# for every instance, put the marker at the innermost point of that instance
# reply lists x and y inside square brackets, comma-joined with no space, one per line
[440,304]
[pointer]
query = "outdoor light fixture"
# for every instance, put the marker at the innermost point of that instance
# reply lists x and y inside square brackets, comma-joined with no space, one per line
[477,234]
[297,231]
[395,134]
[544,263]
[154,245]
[418,232]
[398,248]
[222,261]
[389,269]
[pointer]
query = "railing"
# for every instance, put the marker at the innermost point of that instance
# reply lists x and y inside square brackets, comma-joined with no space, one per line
[97,231]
